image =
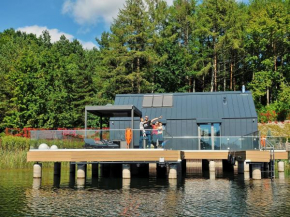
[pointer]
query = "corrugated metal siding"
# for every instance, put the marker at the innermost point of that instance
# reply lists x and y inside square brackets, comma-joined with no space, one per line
[237,114]
[182,128]
[197,105]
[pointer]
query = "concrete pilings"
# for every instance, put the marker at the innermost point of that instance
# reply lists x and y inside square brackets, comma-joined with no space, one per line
[81,171]
[152,169]
[256,171]
[126,173]
[37,170]
[173,171]
[246,171]
[212,165]
[281,169]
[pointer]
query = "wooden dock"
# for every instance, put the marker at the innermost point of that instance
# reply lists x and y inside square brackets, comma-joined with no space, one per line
[171,159]
[145,155]
[105,155]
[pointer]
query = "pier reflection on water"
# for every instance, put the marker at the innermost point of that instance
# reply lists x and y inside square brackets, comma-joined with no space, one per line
[193,195]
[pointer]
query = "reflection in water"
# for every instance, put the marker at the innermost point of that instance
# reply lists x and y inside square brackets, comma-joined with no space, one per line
[81,183]
[212,175]
[142,196]
[281,175]
[36,183]
[56,181]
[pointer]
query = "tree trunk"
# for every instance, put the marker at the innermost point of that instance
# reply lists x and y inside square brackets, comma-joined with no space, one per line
[193,86]
[215,71]
[138,75]
[225,81]
[268,96]
[212,81]
[231,76]
[189,84]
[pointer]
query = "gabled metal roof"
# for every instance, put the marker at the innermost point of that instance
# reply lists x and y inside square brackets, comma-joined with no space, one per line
[202,106]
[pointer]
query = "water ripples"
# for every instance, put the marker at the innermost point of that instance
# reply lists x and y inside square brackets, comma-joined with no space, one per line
[143,197]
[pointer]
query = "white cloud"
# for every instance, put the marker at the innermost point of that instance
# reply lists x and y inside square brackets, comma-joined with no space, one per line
[90,12]
[37,30]
[88,45]
[55,35]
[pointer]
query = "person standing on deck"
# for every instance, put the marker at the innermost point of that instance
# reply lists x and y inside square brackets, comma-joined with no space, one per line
[148,127]
[154,134]
[142,132]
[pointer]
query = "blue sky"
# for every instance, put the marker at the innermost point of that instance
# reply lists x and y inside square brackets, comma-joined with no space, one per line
[81,19]
[76,19]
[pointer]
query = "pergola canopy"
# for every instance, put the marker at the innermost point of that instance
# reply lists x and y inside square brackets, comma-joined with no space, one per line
[114,111]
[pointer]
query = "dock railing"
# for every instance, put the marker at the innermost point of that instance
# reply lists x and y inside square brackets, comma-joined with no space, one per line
[116,138]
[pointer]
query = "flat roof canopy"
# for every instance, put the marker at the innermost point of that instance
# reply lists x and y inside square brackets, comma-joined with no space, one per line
[114,111]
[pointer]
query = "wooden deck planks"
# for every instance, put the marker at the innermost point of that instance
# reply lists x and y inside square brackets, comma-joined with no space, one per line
[252,155]
[147,155]
[103,155]
[205,155]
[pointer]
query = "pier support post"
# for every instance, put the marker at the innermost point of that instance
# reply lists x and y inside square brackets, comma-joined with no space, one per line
[81,172]
[81,175]
[240,167]
[126,171]
[211,169]
[236,167]
[95,170]
[246,171]
[152,169]
[57,168]
[281,169]
[256,171]
[174,171]
[281,166]
[72,174]
[37,170]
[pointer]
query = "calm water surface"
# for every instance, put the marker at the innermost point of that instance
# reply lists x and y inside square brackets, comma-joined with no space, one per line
[196,196]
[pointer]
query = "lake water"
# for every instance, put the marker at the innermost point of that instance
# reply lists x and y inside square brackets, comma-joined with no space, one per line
[190,196]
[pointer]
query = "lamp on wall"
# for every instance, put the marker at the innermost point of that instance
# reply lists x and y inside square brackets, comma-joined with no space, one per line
[225,100]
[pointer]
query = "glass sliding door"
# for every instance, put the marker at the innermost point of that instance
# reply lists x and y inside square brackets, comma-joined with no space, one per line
[210,136]
[216,136]
[205,136]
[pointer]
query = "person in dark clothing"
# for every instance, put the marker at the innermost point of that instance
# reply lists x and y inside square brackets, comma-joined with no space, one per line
[148,128]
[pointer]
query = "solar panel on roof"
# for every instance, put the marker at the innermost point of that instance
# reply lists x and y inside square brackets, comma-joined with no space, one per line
[167,100]
[147,101]
[157,101]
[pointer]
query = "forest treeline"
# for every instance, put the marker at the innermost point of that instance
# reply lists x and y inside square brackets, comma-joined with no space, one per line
[191,46]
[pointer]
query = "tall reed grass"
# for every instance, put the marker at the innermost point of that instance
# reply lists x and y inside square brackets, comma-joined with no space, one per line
[13,150]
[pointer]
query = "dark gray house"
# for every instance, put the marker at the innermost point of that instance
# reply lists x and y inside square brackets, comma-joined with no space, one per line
[196,121]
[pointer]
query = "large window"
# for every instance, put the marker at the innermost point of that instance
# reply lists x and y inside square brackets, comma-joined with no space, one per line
[209,135]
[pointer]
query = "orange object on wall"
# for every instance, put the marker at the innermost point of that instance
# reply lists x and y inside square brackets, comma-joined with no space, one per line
[128,136]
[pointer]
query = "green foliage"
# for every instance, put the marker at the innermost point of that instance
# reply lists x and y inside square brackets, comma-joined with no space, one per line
[13,143]
[213,45]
